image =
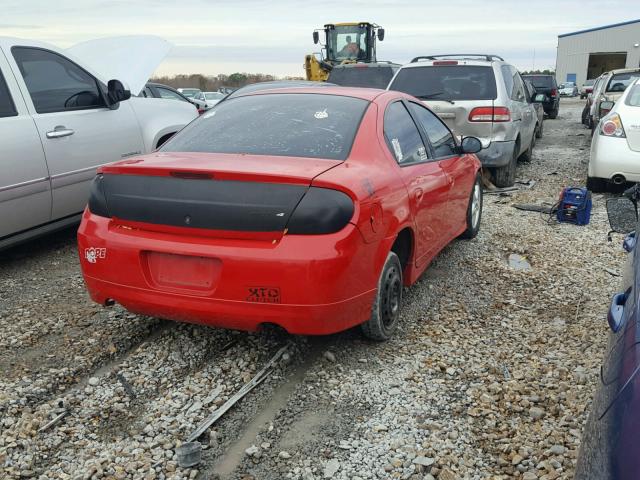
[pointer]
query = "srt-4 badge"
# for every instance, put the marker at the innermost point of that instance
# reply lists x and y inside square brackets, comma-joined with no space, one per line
[93,254]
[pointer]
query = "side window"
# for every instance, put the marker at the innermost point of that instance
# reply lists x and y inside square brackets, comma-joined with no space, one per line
[166,93]
[507,77]
[518,87]
[7,108]
[402,135]
[55,83]
[440,136]
[147,92]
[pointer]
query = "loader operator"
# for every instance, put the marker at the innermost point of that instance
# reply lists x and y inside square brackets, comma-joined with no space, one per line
[350,50]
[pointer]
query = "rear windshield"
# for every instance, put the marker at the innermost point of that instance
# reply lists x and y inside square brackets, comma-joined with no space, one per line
[540,81]
[370,77]
[447,82]
[567,85]
[633,99]
[296,125]
[620,81]
[588,83]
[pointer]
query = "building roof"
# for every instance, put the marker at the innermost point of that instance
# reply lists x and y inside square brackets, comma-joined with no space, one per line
[599,28]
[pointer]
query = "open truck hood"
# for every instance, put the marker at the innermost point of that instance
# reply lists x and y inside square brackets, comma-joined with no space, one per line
[130,59]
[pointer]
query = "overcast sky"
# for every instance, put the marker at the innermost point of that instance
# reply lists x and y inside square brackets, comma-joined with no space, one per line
[260,36]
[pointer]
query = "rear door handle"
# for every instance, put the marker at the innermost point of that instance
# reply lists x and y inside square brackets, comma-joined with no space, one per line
[60,131]
[616,311]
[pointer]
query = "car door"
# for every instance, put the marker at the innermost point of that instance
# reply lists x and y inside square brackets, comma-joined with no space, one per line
[458,168]
[25,191]
[526,113]
[426,182]
[77,130]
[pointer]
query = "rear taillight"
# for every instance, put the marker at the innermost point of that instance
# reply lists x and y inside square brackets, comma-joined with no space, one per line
[490,114]
[554,92]
[611,126]
[200,111]
[321,211]
[445,62]
[97,200]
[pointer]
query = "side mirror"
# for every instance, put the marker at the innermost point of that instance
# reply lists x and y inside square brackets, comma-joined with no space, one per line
[470,145]
[622,215]
[605,107]
[539,98]
[316,37]
[381,34]
[116,92]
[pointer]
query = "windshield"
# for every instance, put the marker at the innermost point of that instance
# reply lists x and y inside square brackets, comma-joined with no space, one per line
[620,81]
[540,81]
[295,125]
[447,82]
[633,99]
[214,96]
[588,83]
[362,76]
[190,92]
[347,43]
[567,85]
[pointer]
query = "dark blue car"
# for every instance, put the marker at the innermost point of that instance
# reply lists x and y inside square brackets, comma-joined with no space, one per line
[610,446]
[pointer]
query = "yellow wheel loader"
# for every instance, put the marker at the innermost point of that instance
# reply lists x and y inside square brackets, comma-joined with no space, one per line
[343,43]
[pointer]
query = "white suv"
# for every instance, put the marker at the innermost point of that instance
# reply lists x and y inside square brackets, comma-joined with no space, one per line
[60,119]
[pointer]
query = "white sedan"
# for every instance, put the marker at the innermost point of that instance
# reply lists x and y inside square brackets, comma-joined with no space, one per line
[615,149]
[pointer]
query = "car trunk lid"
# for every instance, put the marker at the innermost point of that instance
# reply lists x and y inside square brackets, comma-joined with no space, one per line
[224,195]
[456,116]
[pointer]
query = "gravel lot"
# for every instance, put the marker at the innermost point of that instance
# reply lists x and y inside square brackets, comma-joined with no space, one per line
[490,376]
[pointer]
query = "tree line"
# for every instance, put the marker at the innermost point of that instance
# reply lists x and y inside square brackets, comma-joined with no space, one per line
[212,83]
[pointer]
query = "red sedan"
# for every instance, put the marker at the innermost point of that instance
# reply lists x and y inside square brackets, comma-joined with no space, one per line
[306,208]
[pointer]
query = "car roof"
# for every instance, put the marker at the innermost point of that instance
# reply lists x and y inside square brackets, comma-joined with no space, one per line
[464,62]
[368,94]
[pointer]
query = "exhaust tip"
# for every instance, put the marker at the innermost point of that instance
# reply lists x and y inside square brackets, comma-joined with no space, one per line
[618,179]
[109,302]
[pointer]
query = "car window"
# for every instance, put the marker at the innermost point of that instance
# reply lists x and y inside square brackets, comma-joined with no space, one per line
[170,94]
[540,81]
[55,83]
[214,96]
[147,92]
[7,108]
[507,78]
[402,136]
[517,94]
[440,136]
[455,82]
[620,81]
[362,76]
[292,125]
[633,99]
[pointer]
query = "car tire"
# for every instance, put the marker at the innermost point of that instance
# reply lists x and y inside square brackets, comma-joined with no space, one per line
[596,185]
[385,312]
[540,130]
[554,113]
[528,153]
[474,210]
[506,176]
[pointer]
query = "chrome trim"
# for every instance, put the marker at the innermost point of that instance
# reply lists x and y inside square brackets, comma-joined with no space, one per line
[75,176]
[24,189]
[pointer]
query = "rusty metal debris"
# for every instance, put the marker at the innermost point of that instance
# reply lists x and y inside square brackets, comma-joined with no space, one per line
[253,383]
[55,420]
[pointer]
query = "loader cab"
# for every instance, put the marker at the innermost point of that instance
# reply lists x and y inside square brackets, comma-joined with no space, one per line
[350,42]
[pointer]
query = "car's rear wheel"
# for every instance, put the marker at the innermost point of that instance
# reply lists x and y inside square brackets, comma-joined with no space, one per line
[506,176]
[388,302]
[554,113]
[474,210]
[540,130]
[596,185]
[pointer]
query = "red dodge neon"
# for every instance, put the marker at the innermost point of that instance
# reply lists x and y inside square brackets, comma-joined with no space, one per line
[306,208]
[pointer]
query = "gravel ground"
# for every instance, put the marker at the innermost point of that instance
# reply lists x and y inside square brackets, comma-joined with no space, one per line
[490,376]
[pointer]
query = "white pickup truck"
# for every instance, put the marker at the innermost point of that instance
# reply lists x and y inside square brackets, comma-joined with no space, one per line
[63,114]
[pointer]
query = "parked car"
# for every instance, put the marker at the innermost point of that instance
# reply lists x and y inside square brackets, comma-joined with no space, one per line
[586,111]
[546,84]
[369,75]
[478,95]
[610,89]
[615,148]
[210,98]
[274,85]
[587,88]
[60,120]
[608,448]
[537,104]
[307,208]
[568,89]
[158,90]
[189,92]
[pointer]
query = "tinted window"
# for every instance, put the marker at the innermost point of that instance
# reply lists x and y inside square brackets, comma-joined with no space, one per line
[633,99]
[7,108]
[402,135]
[55,83]
[540,81]
[518,87]
[439,135]
[147,92]
[297,125]
[369,77]
[507,77]
[620,81]
[447,82]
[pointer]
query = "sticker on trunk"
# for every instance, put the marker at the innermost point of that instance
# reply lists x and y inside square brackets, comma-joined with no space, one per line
[263,294]
[92,255]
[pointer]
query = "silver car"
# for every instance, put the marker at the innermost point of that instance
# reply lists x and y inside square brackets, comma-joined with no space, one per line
[481,96]
[611,86]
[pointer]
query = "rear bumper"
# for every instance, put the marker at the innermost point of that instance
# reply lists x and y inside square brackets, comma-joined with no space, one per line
[611,157]
[309,285]
[497,154]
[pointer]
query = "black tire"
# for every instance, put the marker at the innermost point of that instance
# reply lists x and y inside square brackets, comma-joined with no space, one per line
[385,312]
[540,130]
[525,157]
[473,221]
[554,113]
[506,176]
[597,185]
